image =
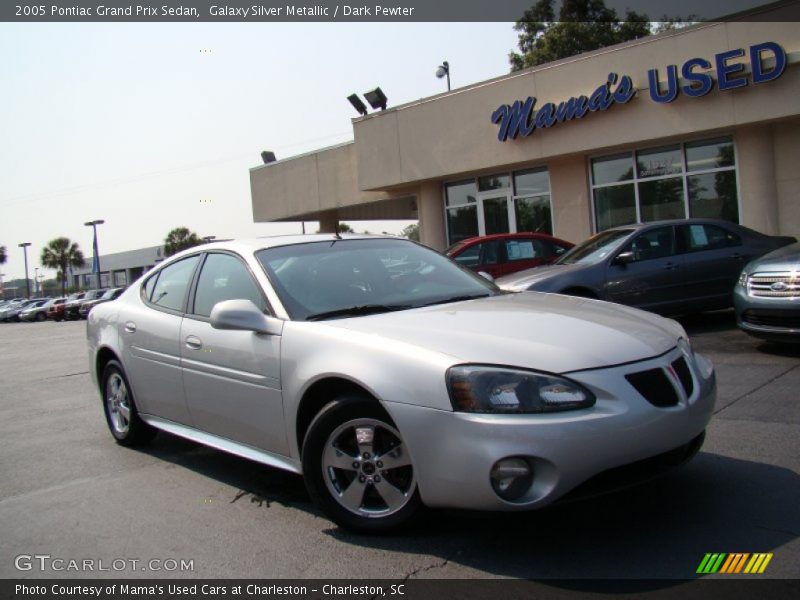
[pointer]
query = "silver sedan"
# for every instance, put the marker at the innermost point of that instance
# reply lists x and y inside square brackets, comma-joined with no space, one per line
[393,379]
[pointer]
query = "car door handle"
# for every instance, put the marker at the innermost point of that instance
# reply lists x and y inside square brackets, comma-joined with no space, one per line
[671,266]
[736,256]
[130,327]
[193,342]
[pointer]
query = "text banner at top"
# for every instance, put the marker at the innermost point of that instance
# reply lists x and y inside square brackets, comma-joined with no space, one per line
[371,11]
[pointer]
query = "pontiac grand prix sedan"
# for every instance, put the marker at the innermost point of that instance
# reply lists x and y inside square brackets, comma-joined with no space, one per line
[392,379]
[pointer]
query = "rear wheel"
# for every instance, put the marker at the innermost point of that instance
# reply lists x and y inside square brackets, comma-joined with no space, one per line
[120,408]
[357,467]
[41,317]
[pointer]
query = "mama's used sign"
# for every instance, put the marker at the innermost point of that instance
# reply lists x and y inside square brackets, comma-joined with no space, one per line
[523,118]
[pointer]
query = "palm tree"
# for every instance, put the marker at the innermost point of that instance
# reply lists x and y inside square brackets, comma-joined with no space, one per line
[60,254]
[179,239]
[3,255]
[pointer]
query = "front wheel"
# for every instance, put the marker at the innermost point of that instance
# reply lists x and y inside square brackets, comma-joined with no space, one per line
[120,408]
[357,467]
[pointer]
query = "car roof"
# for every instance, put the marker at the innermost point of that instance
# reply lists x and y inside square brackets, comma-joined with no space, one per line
[668,222]
[250,245]
[503,236]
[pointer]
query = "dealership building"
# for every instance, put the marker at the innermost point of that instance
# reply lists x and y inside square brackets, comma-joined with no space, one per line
[698,122]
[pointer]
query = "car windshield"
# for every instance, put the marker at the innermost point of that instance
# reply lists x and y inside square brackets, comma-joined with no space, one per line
[341,278]
[596,248]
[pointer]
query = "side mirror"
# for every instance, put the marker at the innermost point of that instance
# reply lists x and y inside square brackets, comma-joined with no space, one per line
[486,276]
[624,258]
[243,315]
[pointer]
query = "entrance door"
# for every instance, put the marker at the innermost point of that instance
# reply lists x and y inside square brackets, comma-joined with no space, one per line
[495,213]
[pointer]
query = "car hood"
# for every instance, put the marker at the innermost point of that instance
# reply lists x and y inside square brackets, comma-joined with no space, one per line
[782,259]
[524,279]
[547,332]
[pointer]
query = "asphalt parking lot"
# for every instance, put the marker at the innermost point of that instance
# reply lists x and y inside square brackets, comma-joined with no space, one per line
[70,492]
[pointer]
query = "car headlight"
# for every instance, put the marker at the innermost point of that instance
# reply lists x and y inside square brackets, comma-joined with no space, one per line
[743,279]
[488,389]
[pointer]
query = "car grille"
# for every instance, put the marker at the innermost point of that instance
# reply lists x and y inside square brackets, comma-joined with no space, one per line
[774,285]
[654,385]
[789,319]
[684,375]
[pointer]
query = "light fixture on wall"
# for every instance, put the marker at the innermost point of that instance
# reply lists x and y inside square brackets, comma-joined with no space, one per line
[360,107]
[443,70]
[376,98]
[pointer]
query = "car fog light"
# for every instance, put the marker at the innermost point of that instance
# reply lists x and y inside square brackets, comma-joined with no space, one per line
[511,478]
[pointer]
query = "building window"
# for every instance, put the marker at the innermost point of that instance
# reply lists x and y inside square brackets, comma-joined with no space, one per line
[462,210]
[532,201]
[695,179]
[498,203]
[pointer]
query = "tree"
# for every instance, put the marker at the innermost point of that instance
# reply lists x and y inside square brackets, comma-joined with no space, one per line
[411,232]
[179,239]
[3,255]
[582,26]
[60,254]
[345,228]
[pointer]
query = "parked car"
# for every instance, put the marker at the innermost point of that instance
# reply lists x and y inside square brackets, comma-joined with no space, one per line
[506,253]
[391,389]
[58,310]
[11,312]
[767,296]
[71,309]
[35,311]
[670,267]
[87,305]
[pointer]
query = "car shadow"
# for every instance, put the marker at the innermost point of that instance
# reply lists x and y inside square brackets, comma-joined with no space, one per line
[658,531]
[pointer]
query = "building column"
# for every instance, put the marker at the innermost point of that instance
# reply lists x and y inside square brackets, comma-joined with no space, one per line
[430,205]
[756,166]
[329,221]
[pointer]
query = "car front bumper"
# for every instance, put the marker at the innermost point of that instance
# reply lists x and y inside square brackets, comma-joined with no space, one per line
[453,453]
[774,319]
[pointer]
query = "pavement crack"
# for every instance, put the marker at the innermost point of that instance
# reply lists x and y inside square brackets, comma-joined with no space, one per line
[751,392]
[426,568]
[68,375]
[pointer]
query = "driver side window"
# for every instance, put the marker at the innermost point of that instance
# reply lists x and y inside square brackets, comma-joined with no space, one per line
[656,243]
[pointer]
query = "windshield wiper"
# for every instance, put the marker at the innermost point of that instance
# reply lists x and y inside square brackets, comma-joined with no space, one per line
[366,309]
[455,299]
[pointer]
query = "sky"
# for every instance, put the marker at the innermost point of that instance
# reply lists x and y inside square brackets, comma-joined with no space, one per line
[155,126]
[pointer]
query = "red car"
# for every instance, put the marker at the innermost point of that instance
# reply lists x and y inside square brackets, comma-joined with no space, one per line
[56,310]
[504,253]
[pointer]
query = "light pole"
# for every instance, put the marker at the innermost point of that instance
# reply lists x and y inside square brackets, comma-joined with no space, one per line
[2,289]
[444,70]
[95,252]
[36,281]
[24,246]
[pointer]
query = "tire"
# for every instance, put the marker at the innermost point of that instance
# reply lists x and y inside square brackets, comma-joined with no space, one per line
[41,317]
[342,449]
[119,408]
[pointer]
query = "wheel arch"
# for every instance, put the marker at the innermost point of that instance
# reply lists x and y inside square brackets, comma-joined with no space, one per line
[320,393]
[104,355]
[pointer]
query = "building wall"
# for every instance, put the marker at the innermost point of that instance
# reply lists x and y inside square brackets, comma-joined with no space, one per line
[308,185]
[411,151]
[453,134]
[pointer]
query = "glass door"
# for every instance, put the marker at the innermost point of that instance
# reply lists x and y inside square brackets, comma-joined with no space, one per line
[495,213]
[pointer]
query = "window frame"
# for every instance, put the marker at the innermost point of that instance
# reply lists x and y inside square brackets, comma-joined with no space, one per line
[511,194]
[157,276]
[192,295]
[683,175]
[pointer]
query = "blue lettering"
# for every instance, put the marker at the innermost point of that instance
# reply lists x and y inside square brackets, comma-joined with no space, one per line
[725,71]
[514,119]
[759,76]
[672,85]
[546,116]
[704,79]
[625,90]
